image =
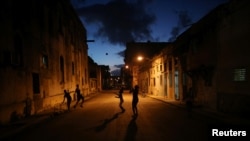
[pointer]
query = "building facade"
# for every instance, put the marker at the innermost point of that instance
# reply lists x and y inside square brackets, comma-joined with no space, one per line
[166,75]
[95,76]
[104,77]
[214,54]
[43,51]
[145,50]
[211,57]
[162,75]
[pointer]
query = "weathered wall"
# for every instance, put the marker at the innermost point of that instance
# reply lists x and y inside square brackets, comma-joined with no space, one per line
[41,55]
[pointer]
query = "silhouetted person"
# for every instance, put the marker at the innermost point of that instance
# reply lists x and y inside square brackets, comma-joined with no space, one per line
[189,101]
[135,100]
[68,97]
[28,105]
[121,98]
[79,96]
[131,90]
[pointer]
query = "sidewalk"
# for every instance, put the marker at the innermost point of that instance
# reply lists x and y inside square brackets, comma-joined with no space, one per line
[207,112]
[25,123]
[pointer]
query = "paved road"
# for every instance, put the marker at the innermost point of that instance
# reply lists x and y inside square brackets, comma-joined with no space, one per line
[101,119]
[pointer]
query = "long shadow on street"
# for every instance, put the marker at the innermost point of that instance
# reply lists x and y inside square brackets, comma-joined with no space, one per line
[106,122]
[131,130]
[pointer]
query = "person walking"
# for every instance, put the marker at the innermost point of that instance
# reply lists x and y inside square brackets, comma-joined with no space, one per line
[79,96]
[121,98]
[189,101]
[68,97]
[135,100]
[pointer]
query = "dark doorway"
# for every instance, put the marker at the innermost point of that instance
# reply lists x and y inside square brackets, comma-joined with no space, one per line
[36,83]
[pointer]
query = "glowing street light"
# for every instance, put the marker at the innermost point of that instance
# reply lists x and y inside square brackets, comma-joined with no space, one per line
[139,58]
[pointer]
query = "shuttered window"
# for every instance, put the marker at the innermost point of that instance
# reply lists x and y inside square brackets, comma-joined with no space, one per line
[240,74]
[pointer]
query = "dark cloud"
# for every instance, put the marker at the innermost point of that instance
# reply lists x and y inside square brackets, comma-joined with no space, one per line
[77,3]
[121,53]
[184,20]
[120,21]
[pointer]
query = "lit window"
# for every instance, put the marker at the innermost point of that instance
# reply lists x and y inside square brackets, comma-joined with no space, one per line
[240,74]
[45,61]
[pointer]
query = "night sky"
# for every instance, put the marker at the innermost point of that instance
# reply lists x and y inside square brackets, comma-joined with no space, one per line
[112,23]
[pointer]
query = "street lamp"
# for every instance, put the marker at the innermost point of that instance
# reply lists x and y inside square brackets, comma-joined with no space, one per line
[140,58]
[143,75]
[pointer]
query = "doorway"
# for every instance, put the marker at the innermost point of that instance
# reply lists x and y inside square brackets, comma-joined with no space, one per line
[176,85]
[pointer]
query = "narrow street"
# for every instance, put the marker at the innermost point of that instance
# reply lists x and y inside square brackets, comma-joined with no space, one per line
[101,119]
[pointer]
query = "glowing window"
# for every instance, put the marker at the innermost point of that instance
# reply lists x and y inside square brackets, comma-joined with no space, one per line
[240,74]
[45,61]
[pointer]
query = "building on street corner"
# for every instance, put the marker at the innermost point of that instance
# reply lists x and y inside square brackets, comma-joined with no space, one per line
[43,51]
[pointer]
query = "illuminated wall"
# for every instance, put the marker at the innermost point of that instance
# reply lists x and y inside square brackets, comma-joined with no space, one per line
[43,51]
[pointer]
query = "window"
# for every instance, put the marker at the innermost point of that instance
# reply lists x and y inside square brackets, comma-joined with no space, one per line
[154,81]
[239,74]
[45,61]
[36,83]
[165,67]
[160,79]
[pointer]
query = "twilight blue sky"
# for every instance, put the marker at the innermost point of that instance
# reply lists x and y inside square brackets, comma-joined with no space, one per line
[112,23]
